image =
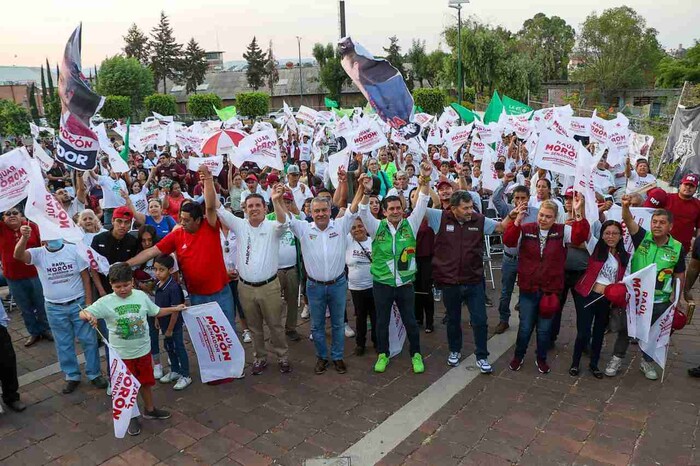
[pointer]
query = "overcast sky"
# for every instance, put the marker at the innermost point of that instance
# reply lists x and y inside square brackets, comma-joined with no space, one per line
[38,29]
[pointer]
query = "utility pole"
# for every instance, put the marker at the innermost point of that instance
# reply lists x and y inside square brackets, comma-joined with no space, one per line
[342,18]
[301,80]
[457,5]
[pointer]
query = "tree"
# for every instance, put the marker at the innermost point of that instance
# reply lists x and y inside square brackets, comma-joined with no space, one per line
[49,78]
[14,119]
[418,59]
[673,72]
[548,41]
[116,107]
[434,66]
[194,66]
[126,77]
[44,92]
[430,100]
[161,103]
[331,73]
[52,110]
[252,104]
[202,105]
[272,75]
[136,45]
[393,56]
[33,109]
[256,65]
[165,52]
[618,51]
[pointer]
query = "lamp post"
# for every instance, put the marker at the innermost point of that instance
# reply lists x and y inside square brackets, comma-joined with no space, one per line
[341,14]
[301,80]
[457,5]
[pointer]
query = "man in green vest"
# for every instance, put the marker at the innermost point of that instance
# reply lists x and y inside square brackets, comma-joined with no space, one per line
[655,246]
[394,265]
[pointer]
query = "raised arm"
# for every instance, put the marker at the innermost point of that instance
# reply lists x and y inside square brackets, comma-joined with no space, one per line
[144,256]
[340,197]
[280,209]
[632,226]
[80,188]
[138,216]
[365,187]
[210,199]
[21,253]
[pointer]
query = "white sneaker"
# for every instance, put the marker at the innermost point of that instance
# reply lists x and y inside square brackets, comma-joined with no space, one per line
[453,359]
[613,366]
[311,336]
[109,389]
[247,336]
[484,366]
[305,312]
[170,377]
[182,383]
[649,370]
[349,332]
[157,371]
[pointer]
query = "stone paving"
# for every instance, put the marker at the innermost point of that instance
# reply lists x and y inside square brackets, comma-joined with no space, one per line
[507,418]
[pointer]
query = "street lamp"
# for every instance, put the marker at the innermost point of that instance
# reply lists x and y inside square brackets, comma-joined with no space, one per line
[301,86]
[457,5]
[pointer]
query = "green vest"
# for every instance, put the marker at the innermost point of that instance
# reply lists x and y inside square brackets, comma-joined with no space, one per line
[394,256]
[665,257]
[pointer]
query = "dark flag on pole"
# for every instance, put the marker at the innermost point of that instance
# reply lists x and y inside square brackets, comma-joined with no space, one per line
[683,144]
[78,144]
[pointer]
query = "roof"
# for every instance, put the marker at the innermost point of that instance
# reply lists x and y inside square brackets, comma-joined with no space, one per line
[23,74]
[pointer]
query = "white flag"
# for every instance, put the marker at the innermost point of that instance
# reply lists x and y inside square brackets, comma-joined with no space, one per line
[307,115]
[422,119]
[599,129]
[656,345]
[125,390]
[477,148]
[336,161]
[115,159]
[456,136]
[15,168]
[435,136]
[556,153]
[95,260]
[397,332]
[641,215]
[580,126]
[45,160]
[489,177]
[640,305]
[584,182]
[261,148]
[366,138]
[219,352]
[214,162]
[618,139]
[490,133]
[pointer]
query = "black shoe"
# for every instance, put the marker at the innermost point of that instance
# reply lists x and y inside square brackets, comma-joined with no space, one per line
[359,350]
[70,386]
[321,366]
[694,372]
[47,336]
[99,382]
[16,406]
[293,335]
[573,372]
[444,320]
[340,366]
[134,426]
[597,373]
[159,414]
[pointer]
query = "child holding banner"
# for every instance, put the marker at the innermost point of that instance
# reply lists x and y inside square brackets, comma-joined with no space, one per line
[125,312]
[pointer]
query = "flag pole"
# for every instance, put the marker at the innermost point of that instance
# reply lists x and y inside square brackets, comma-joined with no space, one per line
[661,159]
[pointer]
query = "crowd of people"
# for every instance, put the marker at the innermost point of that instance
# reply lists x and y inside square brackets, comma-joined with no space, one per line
[400,230]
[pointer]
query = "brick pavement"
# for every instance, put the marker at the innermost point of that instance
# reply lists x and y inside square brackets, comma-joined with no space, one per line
[508,418]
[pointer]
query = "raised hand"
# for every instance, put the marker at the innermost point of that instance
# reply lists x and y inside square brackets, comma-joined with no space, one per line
[26,231]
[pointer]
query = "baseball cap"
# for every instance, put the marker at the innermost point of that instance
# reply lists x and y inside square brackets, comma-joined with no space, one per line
[123,212]
[293,170]
[272,178]
[251,177]
[656,198]
[690,179]
[569,192]
[443,183]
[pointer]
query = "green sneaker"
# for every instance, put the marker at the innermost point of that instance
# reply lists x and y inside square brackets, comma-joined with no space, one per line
[382,362]
[418,366]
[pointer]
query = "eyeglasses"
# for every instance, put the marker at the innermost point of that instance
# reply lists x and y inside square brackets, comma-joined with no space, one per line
[10,213]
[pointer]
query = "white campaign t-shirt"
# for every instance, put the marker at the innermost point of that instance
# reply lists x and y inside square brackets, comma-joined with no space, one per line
[634,182]
[110,191]
[358,262]
[59,272]
[603,181]
[140,202]
[608,273]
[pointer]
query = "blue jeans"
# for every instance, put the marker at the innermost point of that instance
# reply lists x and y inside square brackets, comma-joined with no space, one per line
[29,297]
[529,318]
[66,326]
[225,299]
[404,297]
[509,272]
[237,308]
[332,297]
[175,346]
[475,298]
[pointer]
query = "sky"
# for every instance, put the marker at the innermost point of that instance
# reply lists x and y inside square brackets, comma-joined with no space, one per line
[39,29]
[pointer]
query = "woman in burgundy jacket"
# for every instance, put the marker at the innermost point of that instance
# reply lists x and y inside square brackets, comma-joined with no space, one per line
[542,255]
[606,266]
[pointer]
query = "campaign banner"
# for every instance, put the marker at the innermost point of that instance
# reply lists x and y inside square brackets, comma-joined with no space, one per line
[560,128]
[656,345]
[261,148]
[115,160]
[618,139]
[261,126]
[125,390]
[580,126]
[640,304]
[522,127]
[397,332]
[367,138]
[15,168]
[477,148]
[448,118]
[44,159]
[77,144]
[422,119]
[215,163]
[584,183]
[457,136]
[219,352]
[337,161]
[642,215]
[599,129]
[556,153]
[640,146]
[149,133]
[489,177]
[307,115]
[490,133]
[95,260]
[186,139]
[435,136]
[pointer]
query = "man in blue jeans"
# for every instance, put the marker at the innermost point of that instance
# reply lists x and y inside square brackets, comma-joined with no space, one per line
[509,268]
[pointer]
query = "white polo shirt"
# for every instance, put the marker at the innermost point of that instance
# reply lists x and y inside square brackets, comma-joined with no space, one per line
[59,272]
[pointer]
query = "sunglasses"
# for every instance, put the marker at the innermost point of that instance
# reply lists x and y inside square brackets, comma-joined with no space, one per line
[11,213]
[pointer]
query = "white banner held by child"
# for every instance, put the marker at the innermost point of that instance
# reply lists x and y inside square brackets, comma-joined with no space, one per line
[125,390]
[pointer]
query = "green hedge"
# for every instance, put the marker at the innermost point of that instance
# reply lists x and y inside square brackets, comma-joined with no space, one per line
[252,104]
[116,106]
[432,100]
[161,103]
[202,105]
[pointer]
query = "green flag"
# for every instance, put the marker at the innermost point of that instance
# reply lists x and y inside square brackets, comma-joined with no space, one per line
[124,154]
[341,112]
[330,103]
[368,110]
[493,111]
[464,113]
[513,107]
[226,113]
[417,109]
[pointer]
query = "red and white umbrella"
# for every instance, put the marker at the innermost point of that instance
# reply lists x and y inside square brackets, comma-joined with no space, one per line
[222,142]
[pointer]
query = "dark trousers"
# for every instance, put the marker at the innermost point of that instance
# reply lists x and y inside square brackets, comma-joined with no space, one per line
[425,305]
[475,298]
[597,315]
[363,302]
[384,297]
[8,368]
[623,341]
[571,277]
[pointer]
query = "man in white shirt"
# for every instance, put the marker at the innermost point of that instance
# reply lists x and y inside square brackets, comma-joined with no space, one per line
[112,186]
[323,245]
[300,191]
[604,180]
[73,206]
[258,261]
[400,188]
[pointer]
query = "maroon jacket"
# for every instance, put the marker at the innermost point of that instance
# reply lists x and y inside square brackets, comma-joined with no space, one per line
[585,284]
[542,272]
[459,248]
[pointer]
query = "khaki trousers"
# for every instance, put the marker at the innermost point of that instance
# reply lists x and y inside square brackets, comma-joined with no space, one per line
[289,282]
[263,305]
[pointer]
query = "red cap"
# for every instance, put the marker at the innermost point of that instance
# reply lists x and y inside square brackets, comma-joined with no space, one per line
[616,294]
[690,179]
[442,183]
[549,305]
[656,198]
[287,196]
[251,177]
[272,178]
[123,212]
[569,192]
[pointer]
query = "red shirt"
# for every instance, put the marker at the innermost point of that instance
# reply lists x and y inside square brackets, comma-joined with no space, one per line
[174,204]
[12,268]
[686,218]
[199,257]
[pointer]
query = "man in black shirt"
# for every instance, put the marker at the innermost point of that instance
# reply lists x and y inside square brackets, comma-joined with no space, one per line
[116,245]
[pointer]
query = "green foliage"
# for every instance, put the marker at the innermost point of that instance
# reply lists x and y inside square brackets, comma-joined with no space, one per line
[393,56]
[673,72]
[125,77]
[32,103]
[272,75]
[332,75]
[136,45]
[49,77]
[435,66]
[549,42]
[618,51]
[418,59]
[161,103]
[252,104]
[116,106]
[256,65]
[44,91]
[14,119]
[166,53]
[202,105]
[194,66]
[469,95]
[52,110]
[431,100]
